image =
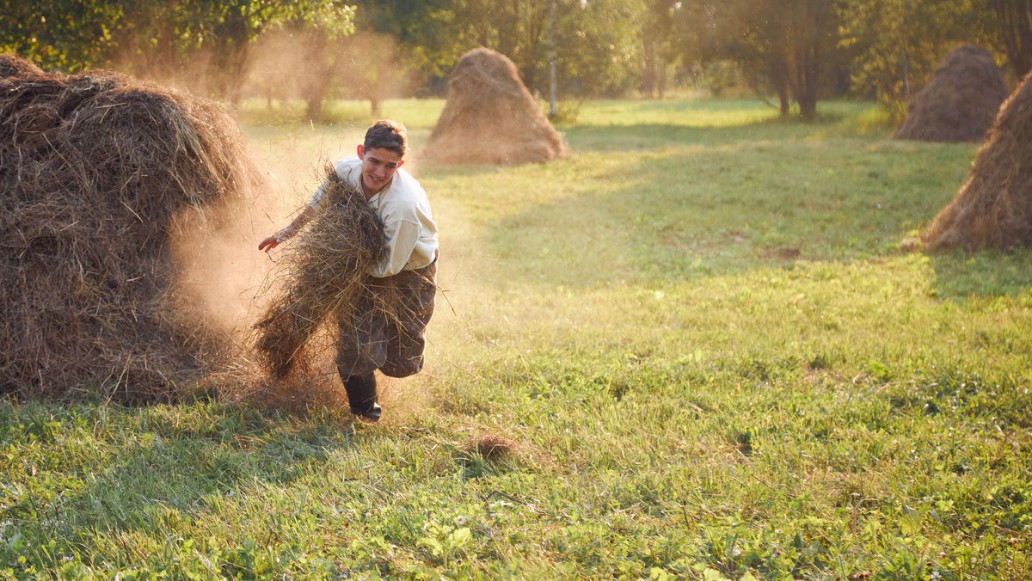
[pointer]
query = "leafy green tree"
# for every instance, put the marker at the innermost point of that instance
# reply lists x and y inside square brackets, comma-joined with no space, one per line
[169,39]
[66,35]
[595,40]
[204,44]
[782,46]
[1013,29]
[656,44]
[899,43]
[598,48]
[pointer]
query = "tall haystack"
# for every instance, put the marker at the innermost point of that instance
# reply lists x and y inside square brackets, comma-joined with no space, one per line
[98,173]
[993,209]
[960,101]
[491,117]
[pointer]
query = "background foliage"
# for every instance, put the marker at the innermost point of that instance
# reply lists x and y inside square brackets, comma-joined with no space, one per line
[796,51]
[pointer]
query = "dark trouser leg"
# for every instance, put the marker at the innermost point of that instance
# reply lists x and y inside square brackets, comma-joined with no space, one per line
[361,390]
[416,290]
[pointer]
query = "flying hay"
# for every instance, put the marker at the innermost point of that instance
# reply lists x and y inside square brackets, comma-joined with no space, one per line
[490,117]
[325,269]
[960,101]
[993,209]
[98,172]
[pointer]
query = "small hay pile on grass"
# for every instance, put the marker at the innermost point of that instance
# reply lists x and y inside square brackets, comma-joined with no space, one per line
[960,101]
[491,117]
[993,209]
[325,269]
[96,171]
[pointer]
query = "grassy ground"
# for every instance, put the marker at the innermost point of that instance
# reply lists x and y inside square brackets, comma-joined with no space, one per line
[696,342]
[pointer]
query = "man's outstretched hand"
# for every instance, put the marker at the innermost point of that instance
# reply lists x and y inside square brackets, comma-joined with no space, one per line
[269,243]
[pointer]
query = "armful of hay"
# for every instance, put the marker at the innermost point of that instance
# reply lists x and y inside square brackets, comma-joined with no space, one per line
[324,271]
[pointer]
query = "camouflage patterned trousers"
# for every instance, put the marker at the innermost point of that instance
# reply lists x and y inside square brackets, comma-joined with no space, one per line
[387,331]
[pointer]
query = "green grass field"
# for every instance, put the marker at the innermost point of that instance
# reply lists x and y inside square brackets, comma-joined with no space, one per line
[697,338]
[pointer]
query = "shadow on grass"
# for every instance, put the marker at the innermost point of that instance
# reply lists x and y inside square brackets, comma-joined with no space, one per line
[739,198]
[960,275]
[640,136]
[103,468]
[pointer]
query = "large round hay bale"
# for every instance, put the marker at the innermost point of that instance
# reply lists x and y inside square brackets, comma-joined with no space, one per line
[97,173]
[960,101]
[491,117]
[993,209]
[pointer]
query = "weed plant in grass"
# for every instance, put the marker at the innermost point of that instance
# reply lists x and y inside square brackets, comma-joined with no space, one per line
[702,342]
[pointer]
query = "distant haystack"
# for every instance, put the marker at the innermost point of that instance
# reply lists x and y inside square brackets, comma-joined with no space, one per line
[960,101]
[993,209]
[490,117]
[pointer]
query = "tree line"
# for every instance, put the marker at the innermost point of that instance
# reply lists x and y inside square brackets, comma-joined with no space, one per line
[795,51]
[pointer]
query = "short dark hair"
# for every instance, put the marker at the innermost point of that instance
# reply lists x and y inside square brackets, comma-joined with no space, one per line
[387,134]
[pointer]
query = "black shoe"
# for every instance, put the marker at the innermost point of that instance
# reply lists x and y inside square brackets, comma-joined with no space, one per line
[370,415]
[361,391]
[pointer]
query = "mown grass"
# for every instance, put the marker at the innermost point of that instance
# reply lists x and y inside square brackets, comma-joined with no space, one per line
[699,336]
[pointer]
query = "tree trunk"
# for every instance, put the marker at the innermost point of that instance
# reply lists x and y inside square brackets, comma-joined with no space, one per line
[1015,30]
[313,89]
[807,76]
[648,81]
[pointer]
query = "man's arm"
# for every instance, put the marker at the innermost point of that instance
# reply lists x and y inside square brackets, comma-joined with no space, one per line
[285,234]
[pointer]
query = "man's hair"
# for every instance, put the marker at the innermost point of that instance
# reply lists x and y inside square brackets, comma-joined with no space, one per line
[387,134]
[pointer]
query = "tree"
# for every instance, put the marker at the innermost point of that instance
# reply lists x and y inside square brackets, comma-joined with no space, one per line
[207,44]
[595,41]
[781,45]
[899,43]
[66,35]
[203,44]
[1013,28]
[656,35]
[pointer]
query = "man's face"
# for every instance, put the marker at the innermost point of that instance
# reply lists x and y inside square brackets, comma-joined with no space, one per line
[378,167]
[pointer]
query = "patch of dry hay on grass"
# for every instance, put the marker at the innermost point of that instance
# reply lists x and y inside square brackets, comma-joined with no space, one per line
[491,117]
[96,173]
[960,101]
[491,447]
[323,272]
[993,209]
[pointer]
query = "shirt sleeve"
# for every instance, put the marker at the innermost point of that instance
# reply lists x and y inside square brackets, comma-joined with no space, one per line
[401,241]
[344,171]
[317,195]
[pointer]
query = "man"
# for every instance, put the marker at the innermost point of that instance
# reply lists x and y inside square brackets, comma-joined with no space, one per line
[392,344]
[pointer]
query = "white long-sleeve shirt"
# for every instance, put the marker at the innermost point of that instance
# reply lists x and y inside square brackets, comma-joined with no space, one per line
[407,220]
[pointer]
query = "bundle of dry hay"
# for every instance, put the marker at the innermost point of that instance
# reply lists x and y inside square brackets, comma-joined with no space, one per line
[325,269]
[96,171]
[960,101]
[993,209]
[490,117]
